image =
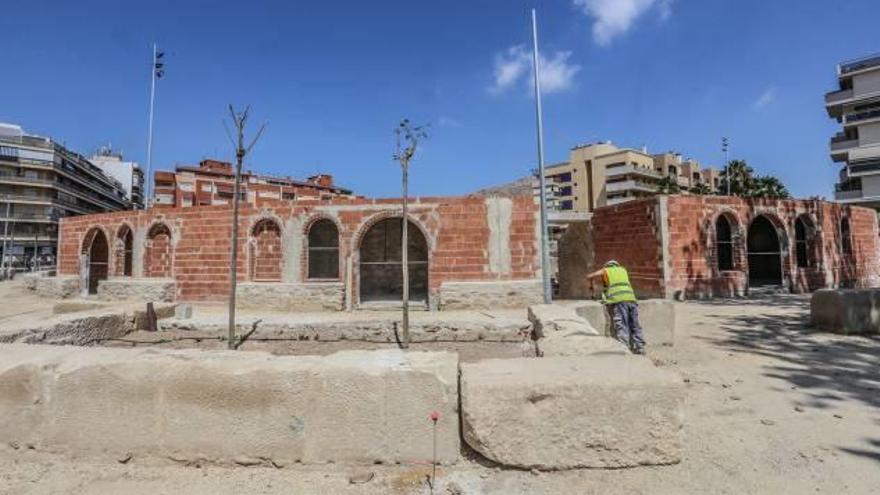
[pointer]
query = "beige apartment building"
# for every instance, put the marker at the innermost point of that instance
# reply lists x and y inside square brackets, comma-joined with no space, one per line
[601,174]
[855,104]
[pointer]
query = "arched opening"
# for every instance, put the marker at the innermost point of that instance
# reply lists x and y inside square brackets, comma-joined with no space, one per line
[802,238]
[764,253]
[381,266]
[845,238]
[158,252]
[123,251]
[97,253]
[266,255]
[723,243]
[323,250]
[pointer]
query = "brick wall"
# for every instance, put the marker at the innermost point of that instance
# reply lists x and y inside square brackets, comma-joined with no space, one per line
[266,256]
[633,233]
[629,233]
[693,251]
[197,251]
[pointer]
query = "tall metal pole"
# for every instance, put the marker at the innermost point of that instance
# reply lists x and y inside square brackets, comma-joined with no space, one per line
[404,255]
[233,273]
[149,198]
[545,247]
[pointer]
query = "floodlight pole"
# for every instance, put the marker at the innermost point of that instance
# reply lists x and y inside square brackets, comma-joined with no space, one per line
[149,198]
[545,247]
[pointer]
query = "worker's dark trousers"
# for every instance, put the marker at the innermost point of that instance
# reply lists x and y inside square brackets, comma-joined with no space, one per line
[625,316]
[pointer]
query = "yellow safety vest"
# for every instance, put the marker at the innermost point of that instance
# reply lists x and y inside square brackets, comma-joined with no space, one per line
[618,288]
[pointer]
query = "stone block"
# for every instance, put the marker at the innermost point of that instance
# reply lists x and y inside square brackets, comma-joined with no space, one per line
[220,406]
[608,411]
[560,344]
[307,296]
[56,287]
[137,289]
[183,311]
[657,317]
[490,295]
[547,319]
[846,311]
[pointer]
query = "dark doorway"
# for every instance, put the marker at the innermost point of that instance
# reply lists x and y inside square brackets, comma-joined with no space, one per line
[323,250]
[124,251]
[98,252]
[764,253]
[381,276]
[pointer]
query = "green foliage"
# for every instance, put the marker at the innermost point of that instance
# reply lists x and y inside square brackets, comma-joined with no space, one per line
[701,189]
[744,182]
[668,185]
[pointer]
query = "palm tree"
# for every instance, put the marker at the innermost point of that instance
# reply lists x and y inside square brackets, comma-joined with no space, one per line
[768,186]
[702,189]
[668,185]
[741,177]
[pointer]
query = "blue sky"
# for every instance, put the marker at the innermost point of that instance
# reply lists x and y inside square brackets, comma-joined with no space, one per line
[332,79]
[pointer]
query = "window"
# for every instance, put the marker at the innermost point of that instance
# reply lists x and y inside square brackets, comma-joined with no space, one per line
[723,243]
[323,250]
[566,205]
[801,246]
[566,177]
[845,237]
[564,191]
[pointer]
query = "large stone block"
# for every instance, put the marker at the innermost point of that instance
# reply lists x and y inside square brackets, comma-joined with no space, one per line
[657,317]
[490,295]
[846,311]
[137,289]
[308,296]
[55,287]
[607,411]
[560,344]
[224,406]
[550,318]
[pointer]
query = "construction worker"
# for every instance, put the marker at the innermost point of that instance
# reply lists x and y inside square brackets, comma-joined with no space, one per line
[620,299]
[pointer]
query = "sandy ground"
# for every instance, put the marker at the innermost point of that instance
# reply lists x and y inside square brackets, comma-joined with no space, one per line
[771,408]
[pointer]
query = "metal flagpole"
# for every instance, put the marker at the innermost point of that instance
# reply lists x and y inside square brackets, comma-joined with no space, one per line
[545,248]
[149,199]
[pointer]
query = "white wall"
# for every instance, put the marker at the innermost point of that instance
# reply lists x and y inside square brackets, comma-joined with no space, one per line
[866,83]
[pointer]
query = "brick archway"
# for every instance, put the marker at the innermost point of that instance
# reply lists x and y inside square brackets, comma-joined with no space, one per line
[380,265]
[266,255]
[158,252]
[97,254]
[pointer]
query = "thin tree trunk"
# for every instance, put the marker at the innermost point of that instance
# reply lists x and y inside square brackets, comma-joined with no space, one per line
[405,258]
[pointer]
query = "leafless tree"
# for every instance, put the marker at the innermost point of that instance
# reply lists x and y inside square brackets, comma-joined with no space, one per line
[405,151]
[239,120]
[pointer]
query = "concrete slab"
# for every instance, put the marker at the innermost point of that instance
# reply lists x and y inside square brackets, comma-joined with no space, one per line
[846,311]
[547,319]
[137,289]
[607,411]
[223,406]
[657,317]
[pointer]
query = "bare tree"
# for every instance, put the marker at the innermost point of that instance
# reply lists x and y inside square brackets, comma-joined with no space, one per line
[410,135]
[239,119]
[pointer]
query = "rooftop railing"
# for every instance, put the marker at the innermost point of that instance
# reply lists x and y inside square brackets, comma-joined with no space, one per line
[859,64]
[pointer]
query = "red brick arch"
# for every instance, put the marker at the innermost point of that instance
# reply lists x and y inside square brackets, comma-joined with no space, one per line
[265,251]
[159,251]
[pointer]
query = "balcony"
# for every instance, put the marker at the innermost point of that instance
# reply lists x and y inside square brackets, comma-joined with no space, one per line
[630,185]
[848,195]
[618,200]
[631,170]
[862,116]
[859,64]
[840,146]
[868,167]
[838,97]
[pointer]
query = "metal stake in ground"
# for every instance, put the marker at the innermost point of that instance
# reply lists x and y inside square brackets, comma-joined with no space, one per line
[239,120]
[411,135]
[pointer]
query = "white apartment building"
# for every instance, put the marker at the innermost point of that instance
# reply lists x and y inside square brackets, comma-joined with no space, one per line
[856,106]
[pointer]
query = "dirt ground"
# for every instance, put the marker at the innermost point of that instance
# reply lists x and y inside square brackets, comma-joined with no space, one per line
[772,408]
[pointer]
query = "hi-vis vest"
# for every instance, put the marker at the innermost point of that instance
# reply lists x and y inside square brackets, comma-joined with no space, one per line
[618,289]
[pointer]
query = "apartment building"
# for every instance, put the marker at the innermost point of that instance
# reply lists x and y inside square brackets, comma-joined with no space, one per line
[601,174]
[856,106]
[212,182]
[41,181]
[129,174]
